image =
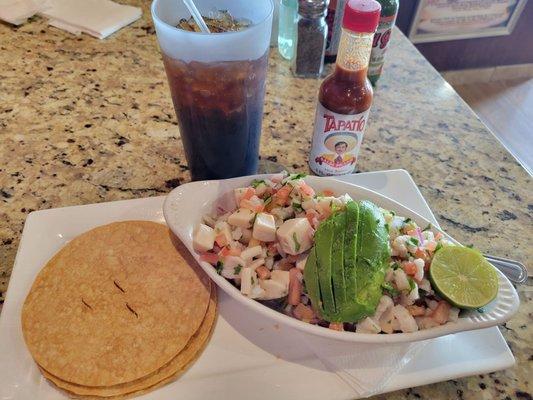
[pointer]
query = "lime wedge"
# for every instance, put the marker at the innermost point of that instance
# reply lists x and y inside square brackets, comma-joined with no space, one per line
[463,277]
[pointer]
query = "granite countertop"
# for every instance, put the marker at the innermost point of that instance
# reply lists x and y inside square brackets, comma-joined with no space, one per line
[85,120]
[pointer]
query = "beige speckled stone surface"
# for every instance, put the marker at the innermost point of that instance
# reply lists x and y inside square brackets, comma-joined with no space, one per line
[85,120]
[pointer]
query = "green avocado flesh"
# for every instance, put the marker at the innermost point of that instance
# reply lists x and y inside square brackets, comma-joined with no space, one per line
[323,247]
[346,267]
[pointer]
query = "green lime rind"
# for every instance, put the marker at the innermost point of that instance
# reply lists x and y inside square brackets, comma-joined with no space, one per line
[463,277]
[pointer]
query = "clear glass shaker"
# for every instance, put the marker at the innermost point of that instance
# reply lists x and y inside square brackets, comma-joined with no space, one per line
[288,16]
[312,31]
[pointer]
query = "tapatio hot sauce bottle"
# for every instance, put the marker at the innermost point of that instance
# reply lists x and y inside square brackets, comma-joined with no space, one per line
[345,96]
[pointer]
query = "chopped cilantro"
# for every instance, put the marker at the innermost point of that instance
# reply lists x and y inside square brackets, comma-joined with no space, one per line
[296,244]
[470,246]
[253,280]
[387,227]
[412,284]
[412,241]
[395,265]
[219,267]
[297,207]
[257,182]
[267,201]
[252,220]
[439,246]
[237,269]
[392,213]
[335,207]
[427,228]
[407,220]
[297,176]
[387,286]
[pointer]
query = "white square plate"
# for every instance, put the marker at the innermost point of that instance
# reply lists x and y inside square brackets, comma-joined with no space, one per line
[242,351]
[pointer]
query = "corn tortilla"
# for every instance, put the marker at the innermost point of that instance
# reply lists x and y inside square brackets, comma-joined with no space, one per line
[114,305]
[166,374]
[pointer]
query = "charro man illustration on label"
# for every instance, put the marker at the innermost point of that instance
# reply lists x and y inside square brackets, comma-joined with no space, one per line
[341,145]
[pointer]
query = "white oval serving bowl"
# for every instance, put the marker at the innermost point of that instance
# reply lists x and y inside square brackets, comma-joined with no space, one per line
[185,206]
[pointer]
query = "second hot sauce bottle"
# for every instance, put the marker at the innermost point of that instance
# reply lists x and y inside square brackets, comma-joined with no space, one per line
[345,96]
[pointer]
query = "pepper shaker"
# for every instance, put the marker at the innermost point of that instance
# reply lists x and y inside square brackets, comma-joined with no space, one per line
[308,60]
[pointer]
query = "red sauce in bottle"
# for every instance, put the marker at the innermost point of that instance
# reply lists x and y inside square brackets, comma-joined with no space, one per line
[346,95]
[346,92]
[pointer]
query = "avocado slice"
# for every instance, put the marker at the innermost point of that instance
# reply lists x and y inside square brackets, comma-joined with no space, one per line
[337,260]
[323,249]
[311,282]
[350,249]
[373,253]
[346,267]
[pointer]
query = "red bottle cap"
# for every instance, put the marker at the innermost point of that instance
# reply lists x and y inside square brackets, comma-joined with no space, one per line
[361,15]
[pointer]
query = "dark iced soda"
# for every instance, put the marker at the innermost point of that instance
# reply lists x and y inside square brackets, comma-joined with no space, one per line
[219,106]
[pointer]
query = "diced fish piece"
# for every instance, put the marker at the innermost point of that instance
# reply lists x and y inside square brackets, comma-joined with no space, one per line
[405,320]
[264,228]
[242,217]
[204,238]
[367,325]
[295,236]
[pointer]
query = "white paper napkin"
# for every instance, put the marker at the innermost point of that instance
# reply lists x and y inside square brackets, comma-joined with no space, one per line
[98,18]
[16,12]
[366,368]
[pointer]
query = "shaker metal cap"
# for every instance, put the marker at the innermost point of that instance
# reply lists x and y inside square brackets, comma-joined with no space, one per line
[312,8]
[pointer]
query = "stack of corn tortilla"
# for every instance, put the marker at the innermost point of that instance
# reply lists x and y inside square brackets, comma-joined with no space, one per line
[119,311]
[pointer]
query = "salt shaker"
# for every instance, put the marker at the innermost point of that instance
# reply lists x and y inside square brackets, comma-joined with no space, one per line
[308,60]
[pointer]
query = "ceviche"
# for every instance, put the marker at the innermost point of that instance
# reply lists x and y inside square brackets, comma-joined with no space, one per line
[326,259]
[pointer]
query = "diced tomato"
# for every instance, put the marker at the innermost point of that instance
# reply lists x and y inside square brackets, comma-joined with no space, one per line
[249,193]
[272,249]
[246,203]
[441,313]
[303,312]
[306,189]
[419,253]
[431,246]
[284,191]
[211,258]
[295,287]
[229,251]
[409,268]
[285,265]
[438,236]
[416,311]
[221,240]
[259,208]
[270,206]
[312,217]
[328,192]
[281,196]
[336,326]
[262,272]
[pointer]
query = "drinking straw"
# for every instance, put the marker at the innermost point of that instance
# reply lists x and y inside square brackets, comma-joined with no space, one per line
[196,15]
